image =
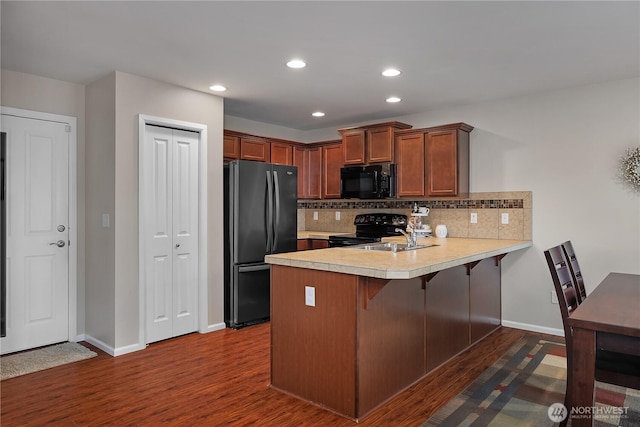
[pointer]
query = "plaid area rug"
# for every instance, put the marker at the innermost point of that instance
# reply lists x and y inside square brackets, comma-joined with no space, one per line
[518,389]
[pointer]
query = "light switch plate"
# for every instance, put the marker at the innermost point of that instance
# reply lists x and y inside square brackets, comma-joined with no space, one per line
[337,215]
[106,220]
[505,218]
[474,218]
[315,216]
[310,296]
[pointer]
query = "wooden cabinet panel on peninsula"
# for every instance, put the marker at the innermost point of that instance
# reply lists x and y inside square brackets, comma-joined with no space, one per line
[332,161]
[309,163]
[255,149]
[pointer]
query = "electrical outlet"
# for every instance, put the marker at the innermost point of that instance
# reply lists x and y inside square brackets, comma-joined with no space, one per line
[337,215]
[315,216]
[474,218]
[310,296]
[554,298]
[505,218]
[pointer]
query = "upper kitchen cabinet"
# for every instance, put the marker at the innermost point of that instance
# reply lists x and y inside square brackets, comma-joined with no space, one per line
[370,143]
[332,161]
[433,161]
[231,147]
[309,163]
[410,159]
[447,160]
[255,149]
[281,153]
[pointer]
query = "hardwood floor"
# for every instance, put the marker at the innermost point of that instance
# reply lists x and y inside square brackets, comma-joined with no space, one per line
[215,379]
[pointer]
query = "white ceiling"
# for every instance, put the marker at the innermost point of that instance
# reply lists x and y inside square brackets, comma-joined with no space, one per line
[450,53]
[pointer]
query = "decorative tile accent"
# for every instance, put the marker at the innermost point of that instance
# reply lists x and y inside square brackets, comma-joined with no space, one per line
[454,213]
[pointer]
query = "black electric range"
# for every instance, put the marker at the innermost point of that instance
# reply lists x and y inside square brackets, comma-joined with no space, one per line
[371,227]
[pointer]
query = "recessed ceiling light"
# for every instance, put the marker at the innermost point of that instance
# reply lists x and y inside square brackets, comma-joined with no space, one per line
[217,88]
[391,72]
[318,114]
[393,99]
[296,63]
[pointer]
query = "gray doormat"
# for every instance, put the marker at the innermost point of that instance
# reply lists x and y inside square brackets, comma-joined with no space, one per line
[27,362]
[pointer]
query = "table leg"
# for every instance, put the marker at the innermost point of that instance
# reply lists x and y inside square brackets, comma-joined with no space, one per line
[582,387]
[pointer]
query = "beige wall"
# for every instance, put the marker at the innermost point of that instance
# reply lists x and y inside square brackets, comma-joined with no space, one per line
[29,92]
[136,95]
[565,147]
[101,200]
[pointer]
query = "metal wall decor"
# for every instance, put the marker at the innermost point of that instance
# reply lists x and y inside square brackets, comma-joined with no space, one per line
[630,168]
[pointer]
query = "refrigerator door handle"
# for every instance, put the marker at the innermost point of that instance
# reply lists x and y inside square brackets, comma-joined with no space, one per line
[276,193]
[269,213]
[250,268]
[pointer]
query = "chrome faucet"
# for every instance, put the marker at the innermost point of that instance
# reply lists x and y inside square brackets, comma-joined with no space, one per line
[411,236]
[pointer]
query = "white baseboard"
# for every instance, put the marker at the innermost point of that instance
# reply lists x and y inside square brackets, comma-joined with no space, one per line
[533,328]
[111,350]
[213,328]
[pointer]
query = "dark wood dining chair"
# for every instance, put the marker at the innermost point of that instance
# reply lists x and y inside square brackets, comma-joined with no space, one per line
[611,367]
[578,281]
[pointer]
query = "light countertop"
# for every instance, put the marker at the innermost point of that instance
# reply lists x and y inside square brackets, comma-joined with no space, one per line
[450,252]
[324,235]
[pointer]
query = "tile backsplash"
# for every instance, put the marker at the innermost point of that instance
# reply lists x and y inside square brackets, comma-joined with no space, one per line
[455,213]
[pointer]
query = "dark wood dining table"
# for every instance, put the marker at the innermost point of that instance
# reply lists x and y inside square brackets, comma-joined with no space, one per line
[609,318]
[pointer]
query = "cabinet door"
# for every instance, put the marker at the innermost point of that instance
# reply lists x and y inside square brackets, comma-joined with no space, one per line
[442,163]
[314,168]
[298,160]
[281,154]
[353,147]
[380,145]
[410,157]
[255,149]
[231,147]
[332,162]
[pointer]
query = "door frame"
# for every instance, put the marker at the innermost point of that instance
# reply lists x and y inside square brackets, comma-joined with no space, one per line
[143,121]
[73,206]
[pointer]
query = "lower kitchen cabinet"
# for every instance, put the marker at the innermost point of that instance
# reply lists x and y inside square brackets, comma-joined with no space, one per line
[307,244]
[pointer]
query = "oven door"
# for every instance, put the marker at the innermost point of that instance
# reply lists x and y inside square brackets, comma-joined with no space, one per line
[336,242]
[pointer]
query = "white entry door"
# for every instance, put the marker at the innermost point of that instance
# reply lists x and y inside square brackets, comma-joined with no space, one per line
[37,233]
[170,215]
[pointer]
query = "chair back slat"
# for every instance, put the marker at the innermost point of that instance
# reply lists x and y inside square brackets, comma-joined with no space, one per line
[563,284]
[575,270]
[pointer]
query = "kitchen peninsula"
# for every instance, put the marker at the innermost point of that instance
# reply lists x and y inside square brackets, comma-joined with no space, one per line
[351,328]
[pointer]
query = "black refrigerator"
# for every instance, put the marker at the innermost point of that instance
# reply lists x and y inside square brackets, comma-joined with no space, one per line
[260,213]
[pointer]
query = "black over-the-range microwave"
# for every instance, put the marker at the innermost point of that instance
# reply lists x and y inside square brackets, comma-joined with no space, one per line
[368,182]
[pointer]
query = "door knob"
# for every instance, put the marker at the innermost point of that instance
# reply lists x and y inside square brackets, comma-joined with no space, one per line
[59,243]
[177,245]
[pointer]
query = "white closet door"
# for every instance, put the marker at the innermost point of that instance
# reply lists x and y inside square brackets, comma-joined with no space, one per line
[170,187]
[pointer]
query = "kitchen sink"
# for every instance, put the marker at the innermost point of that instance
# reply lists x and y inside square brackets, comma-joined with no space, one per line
[390,247]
